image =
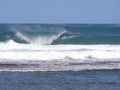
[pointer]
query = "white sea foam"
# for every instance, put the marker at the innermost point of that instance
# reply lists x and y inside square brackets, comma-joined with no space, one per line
[59,57]
[42,40]
[15,51]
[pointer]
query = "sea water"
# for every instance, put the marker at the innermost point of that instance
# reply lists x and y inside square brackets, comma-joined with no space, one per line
[60,51]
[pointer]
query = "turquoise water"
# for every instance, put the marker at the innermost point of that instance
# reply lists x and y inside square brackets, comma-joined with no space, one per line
[61,34]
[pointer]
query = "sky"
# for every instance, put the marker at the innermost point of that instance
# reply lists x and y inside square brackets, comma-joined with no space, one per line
[60,11]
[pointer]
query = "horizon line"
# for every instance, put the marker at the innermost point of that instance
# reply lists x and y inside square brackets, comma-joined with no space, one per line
[62,23]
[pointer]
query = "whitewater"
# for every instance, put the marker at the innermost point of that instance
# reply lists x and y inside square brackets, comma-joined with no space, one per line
[26,48]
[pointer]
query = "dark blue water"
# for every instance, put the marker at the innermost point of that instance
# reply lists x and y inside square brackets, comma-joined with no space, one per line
[80,80]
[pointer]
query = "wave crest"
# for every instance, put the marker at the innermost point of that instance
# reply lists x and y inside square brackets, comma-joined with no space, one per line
[60,34]
[28,37]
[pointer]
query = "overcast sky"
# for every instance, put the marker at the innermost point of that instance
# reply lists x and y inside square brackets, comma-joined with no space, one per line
[60,11]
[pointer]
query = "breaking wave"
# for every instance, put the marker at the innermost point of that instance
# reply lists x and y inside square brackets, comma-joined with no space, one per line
[61,34]
[63,37]
[59,47]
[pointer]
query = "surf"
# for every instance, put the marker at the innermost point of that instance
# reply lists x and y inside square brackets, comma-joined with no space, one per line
[59,47]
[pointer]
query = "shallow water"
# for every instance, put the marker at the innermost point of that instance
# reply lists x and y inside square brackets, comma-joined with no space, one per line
[70,80]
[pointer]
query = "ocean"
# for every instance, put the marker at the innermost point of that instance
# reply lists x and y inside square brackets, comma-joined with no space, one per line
[59,56]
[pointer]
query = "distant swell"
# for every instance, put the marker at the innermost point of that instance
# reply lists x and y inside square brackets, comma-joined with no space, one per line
[73,38]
